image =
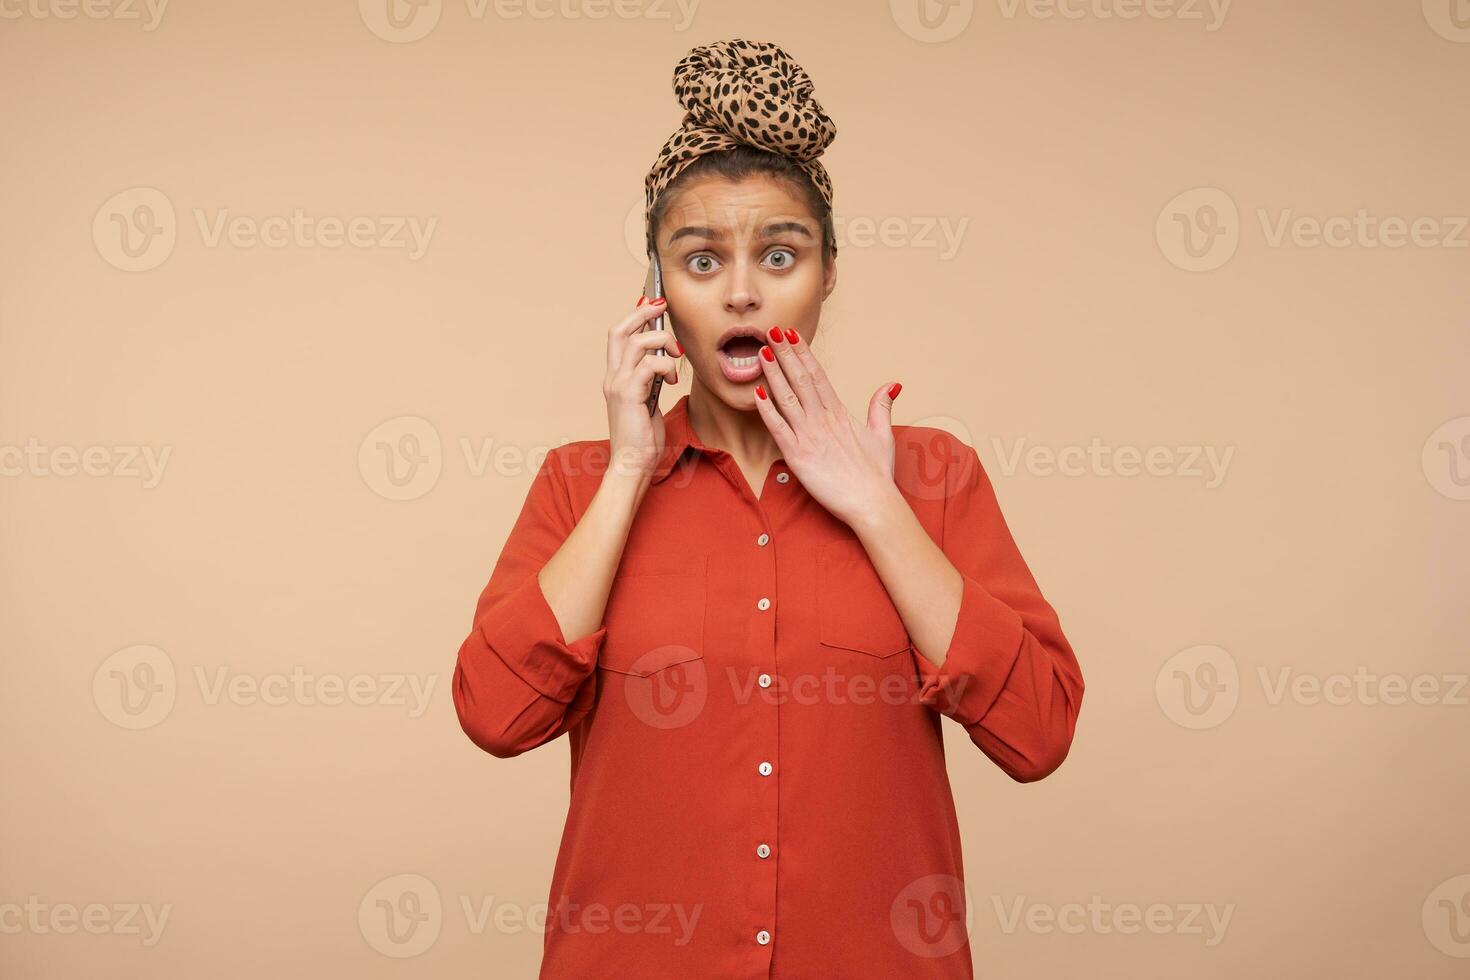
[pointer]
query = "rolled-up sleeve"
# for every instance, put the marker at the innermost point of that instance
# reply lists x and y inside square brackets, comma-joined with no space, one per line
[518,682]
[1009,675]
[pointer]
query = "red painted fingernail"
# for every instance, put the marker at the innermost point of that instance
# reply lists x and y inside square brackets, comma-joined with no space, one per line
[776,334]
[678,348]
[766,353]
[894,390]
[760,392]
[657,300]
[792,336]
[641,301]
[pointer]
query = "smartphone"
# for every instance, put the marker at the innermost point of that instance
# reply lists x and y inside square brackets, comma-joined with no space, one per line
[653,288]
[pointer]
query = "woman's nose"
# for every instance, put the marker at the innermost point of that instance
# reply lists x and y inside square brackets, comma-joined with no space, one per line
[742,294]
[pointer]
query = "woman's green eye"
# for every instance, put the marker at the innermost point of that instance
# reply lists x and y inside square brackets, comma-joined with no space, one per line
[781,258]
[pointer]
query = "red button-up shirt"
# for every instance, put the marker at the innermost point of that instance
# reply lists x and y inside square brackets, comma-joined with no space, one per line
[758,774]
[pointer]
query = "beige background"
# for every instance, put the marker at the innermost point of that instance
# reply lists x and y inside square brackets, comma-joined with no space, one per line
[1064,154]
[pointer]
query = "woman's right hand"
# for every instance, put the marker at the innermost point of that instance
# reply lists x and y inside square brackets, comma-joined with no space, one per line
[636,439]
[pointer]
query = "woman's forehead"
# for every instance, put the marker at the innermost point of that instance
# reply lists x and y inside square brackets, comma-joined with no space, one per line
[720,194]
[739,211]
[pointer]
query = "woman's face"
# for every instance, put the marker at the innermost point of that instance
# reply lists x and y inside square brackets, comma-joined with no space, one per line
[739,258]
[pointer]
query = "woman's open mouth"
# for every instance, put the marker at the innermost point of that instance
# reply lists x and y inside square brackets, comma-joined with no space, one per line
[740,359]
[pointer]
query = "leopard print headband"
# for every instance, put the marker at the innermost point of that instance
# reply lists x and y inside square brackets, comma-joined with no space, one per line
[749,92]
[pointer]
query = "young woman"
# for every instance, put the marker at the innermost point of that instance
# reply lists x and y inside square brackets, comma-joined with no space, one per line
[751,612]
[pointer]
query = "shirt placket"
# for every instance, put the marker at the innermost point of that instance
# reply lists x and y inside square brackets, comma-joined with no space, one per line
[765,763]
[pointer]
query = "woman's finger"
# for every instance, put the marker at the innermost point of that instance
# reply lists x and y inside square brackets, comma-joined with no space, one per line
[640,345]
[779,391]
[644,372]
[780,430]
[618,333]
[797,376]
[796,346]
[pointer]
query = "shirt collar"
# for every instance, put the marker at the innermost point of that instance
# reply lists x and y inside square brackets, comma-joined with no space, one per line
[678,437]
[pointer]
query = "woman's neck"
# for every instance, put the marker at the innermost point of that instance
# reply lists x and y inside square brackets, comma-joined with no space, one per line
[741,434]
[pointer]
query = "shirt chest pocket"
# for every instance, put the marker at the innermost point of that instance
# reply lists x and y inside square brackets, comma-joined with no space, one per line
[854,611]
[655,614]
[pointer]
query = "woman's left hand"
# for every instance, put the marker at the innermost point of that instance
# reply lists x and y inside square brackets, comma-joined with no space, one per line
[845,464]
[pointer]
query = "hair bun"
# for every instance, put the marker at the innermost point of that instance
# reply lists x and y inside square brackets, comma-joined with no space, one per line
[743,92]
[758,94]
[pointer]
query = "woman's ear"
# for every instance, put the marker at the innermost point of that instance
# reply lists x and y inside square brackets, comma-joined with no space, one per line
[829,278]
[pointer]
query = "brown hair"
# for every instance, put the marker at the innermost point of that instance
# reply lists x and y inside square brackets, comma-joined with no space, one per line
[736,164]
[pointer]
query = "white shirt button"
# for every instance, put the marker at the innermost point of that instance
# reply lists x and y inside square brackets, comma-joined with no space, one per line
[764,680]
[782,477]
[764,603]
[763,540]
[763,937]
[763,851]
[765,768]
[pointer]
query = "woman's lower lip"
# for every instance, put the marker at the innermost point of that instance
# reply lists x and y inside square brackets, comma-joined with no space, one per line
[737,373]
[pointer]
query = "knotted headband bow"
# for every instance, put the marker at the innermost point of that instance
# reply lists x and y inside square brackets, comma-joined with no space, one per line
[743,92]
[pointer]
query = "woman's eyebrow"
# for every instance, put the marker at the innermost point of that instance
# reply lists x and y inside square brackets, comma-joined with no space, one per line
[719,234]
